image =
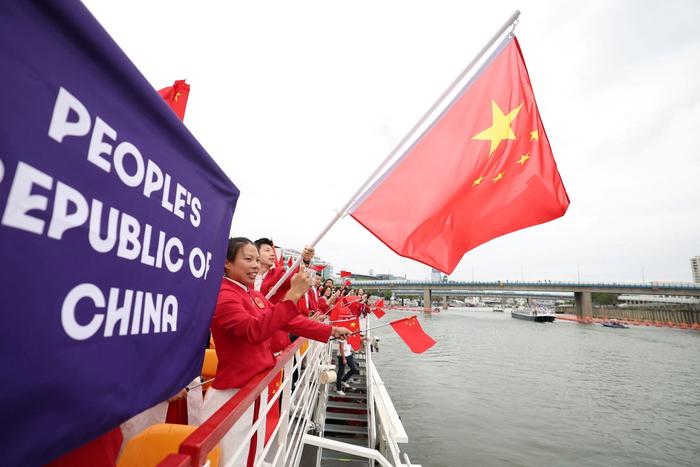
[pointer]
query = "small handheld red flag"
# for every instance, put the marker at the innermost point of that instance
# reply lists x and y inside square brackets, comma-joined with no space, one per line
[318,267]
[347,284]
[176,97]
[339,311]
[377,308]
[345,274]
[290,262]
[411,332]
[353,324]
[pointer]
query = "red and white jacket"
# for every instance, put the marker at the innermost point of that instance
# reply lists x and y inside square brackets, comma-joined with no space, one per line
[246,329]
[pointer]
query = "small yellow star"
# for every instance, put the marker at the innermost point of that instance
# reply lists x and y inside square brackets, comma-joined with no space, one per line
[498,177]
[500,127]
[523,158]
[477,181]
[534,135]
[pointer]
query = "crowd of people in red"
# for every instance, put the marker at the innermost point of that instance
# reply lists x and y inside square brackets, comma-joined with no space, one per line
[249,330]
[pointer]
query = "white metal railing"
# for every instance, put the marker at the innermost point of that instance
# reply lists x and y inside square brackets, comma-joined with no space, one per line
[382,416]
[285,441]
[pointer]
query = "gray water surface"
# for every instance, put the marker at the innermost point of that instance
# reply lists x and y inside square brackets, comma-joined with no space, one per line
[497,391]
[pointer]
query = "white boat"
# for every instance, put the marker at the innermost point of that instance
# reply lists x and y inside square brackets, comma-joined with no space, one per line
[540,314]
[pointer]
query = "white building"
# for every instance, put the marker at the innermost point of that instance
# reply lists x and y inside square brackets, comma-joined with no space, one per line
[695,268]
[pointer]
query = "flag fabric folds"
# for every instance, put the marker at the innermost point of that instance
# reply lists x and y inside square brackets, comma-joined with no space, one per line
[411,332]
[483,169]
[318,267]
[176,97]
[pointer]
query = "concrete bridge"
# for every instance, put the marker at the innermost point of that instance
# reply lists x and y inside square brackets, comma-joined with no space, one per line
[488,294]
[581,290]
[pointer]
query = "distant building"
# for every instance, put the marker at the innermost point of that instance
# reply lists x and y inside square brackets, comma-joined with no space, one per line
[390,277]
[435,275]
[695,268]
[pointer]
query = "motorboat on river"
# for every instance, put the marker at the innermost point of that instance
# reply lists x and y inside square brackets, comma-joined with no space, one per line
[613,323]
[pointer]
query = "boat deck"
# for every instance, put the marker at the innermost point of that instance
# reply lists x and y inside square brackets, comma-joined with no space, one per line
[346,419]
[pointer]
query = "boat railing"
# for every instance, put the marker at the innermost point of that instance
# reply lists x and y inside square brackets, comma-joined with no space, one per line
[285,443]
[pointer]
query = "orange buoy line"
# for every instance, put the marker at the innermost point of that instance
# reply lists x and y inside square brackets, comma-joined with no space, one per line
[633,322]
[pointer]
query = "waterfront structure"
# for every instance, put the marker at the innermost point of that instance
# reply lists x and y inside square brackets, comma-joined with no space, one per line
[695,268]
[582,291]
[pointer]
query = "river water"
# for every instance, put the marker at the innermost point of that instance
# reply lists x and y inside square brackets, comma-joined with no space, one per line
[498,391]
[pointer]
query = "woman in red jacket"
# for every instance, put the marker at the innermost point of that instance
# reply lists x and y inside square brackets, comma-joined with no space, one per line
[245,326]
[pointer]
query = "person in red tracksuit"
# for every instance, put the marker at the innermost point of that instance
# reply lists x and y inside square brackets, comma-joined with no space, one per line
[244,327]
[268,275]
[327,299]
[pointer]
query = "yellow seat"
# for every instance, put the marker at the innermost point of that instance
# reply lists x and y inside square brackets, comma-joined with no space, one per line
[211,361]
[156,442]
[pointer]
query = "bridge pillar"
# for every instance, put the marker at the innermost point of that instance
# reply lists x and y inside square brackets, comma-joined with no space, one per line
[444,302]
[427,300]
[584,306]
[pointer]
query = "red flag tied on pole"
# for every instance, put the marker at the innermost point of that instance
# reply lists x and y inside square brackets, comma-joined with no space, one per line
[345,274]
[483,169]
[411,332]
[176,96]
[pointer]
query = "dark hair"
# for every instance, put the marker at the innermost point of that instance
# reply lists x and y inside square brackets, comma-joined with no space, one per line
[263,241]
[235,244]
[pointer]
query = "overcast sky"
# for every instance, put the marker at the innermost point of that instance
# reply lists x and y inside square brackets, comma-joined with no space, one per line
[298,102]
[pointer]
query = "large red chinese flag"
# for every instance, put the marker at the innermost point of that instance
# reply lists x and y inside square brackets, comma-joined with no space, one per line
[483,169]
[176,97]
[411,332]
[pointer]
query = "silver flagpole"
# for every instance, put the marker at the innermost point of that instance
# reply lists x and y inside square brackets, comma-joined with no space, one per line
[511,21]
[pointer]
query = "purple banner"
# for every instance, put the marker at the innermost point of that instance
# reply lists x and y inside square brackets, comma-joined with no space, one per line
[113,228]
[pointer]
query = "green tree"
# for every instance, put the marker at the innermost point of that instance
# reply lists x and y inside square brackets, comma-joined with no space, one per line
[604,298]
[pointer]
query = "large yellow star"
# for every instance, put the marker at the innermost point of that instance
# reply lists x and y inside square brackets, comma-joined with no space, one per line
[500,127]
[498,177]
[477,181]
[177,95]
[523,158]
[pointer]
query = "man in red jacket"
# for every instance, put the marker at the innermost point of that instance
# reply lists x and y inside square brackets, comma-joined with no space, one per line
[269,274]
